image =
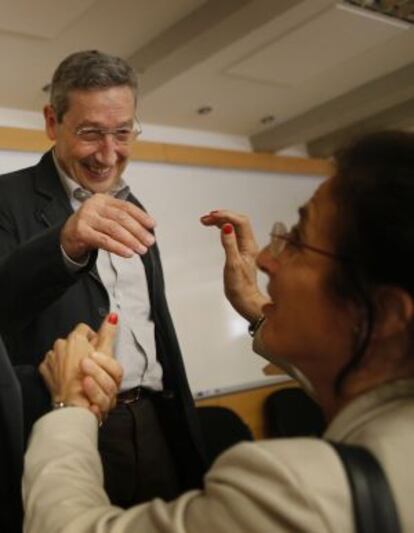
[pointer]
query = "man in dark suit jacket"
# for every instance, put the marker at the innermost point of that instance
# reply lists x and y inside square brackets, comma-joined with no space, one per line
[11,447]
[54,219]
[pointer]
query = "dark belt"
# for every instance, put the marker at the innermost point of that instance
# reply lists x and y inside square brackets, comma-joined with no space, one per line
[133,395]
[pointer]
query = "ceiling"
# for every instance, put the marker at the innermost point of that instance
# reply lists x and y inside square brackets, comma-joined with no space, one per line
[281,72]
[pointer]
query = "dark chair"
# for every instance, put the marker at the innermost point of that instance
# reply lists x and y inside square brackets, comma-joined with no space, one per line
[221,428]
[292,413]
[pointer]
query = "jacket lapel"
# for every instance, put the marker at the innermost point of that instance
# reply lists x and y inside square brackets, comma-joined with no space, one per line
[52,204]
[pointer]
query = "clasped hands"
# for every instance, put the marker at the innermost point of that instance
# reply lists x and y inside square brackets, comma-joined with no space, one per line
[80,370]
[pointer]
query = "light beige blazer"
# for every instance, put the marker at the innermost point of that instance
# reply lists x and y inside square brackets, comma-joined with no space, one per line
[287,485]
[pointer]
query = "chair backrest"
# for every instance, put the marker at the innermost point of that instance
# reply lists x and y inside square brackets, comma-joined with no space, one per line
[221,428]
[292,413]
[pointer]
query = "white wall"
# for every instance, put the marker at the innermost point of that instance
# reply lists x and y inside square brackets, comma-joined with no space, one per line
[214,339]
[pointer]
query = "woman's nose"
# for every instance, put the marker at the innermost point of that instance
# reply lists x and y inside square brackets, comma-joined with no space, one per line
[265,260]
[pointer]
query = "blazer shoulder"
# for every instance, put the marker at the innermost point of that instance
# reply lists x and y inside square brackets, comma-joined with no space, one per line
[21,184]
[22,176]
[17,177]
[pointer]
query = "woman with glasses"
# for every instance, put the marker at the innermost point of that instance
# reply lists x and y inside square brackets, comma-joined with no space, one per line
[339,311]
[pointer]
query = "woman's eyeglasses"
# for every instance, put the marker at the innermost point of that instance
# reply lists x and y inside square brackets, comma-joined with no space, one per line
[280,237]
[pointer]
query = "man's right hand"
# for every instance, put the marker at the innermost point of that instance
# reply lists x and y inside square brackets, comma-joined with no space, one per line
[101,369]
[104,222]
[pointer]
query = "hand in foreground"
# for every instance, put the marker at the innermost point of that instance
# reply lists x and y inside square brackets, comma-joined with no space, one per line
[240,271]
[105,222]
[101,370]
[77,374]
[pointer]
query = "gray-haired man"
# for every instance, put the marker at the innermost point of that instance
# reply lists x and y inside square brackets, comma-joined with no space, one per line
[76,245]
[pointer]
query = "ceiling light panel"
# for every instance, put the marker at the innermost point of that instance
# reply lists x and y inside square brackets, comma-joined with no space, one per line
[324,42]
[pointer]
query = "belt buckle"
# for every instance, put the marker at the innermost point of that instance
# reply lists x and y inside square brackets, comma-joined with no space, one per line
[135,398]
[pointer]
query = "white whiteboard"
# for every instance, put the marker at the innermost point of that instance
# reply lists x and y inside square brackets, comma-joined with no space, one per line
[214,340]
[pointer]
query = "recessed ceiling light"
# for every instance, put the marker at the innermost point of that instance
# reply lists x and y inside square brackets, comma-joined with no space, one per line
[267,119]
[204,110]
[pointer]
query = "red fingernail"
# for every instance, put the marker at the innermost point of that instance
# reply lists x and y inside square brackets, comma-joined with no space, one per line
[113,319]
[227,229]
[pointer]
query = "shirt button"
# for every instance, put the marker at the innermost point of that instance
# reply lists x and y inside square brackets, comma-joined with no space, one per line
[102,311]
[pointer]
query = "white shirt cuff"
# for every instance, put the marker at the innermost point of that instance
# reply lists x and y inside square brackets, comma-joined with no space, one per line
[73,266]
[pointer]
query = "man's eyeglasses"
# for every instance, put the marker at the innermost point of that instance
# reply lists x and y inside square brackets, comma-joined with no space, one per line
[120,135]
[280,237]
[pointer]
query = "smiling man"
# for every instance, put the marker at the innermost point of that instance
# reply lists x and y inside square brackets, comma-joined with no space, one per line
[92,158]
[75,245]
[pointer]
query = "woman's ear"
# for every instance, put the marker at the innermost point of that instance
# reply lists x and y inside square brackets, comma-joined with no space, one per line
[393,311]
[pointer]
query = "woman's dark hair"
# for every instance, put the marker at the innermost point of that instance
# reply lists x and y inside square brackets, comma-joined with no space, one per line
[373,188]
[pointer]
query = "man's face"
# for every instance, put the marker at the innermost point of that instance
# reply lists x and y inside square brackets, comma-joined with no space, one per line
[97,166]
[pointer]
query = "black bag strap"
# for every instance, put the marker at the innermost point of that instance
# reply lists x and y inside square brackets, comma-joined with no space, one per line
[372,500]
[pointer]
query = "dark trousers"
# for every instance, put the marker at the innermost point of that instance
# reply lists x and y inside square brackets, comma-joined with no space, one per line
[136,458]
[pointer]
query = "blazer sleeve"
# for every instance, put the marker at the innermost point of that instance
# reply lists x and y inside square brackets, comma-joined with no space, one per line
[11,446]
[251,487]
[32,275]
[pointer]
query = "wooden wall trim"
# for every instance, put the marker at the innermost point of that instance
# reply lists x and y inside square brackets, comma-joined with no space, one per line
[23,140]
[28,140]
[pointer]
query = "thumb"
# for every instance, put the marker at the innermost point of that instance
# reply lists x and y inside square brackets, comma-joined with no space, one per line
[106,334]
[229,242]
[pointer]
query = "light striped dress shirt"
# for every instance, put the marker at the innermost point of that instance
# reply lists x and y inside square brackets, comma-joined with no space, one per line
[126,284]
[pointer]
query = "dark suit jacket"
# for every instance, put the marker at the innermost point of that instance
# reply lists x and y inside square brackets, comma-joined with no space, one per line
[11,447]
[42,301]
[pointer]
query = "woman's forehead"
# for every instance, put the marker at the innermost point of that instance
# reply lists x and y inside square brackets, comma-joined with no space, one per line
[319,214]
[320,204]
